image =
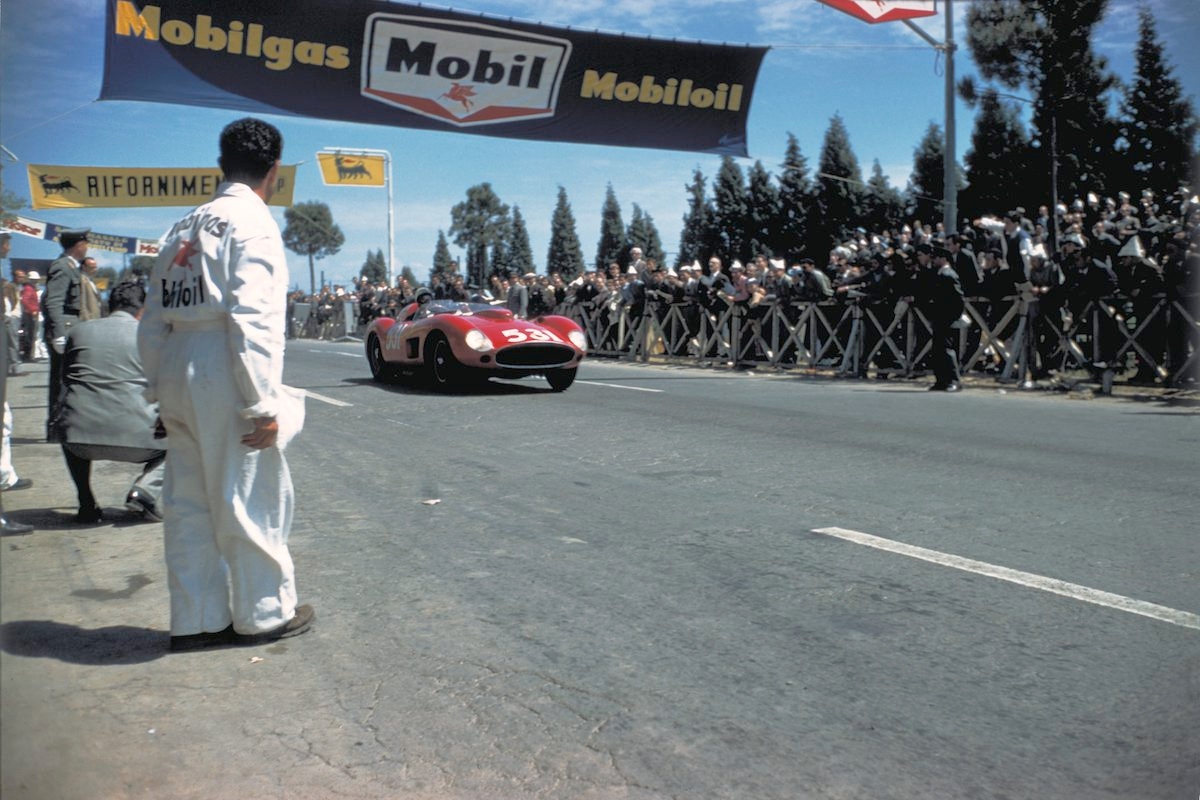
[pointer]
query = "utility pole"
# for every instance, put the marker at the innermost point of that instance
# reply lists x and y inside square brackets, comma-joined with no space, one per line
[949,174]
[950,209]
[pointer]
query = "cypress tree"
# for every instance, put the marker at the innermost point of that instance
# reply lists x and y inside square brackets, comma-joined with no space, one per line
[611,246]
[653,247]
[694,242]
[520,253]
[883,205]
[565,255]
[374,269]
[998,173]
[838,197]
[763,214]
[731,208]
[927,184]
[441,255]
[1158,121]
[795,196]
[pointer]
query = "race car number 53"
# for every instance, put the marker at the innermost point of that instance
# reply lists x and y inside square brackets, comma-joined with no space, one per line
[514,335]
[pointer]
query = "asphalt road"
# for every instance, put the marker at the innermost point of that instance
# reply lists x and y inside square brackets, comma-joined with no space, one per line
[619,593]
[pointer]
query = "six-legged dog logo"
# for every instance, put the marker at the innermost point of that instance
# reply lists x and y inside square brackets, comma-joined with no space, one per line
[351,169]
[51,185]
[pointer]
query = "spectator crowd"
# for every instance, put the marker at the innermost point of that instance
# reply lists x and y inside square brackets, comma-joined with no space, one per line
[1104,261]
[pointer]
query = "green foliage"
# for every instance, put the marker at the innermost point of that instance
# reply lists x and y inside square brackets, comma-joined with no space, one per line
[998,173]
[408,275]
[694,240]
[927,184]
[1158,122]
[501,261]
[731,208]
[441,255]
[520,253]
[611,246]
[476,224]
[374,269]
[1044,47]
[883,204]
[565,255]
[795,195]
[643,234]
[762,213]
[838,200]
[310,231]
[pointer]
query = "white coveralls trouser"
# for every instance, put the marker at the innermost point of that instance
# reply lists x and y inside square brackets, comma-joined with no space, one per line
[228,507]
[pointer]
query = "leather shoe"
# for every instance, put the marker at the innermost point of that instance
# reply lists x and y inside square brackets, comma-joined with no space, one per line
[954,387]
[22,483]
[199,641]
[89,516]
[11,526]
[300,623]
[139,503]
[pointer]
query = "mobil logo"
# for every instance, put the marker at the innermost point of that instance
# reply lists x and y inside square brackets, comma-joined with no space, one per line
[464,73]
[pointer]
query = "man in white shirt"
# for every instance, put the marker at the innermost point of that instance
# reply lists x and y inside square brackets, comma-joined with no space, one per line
[212,341]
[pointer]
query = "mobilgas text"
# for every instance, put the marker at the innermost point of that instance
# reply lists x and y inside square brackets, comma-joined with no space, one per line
[235,37]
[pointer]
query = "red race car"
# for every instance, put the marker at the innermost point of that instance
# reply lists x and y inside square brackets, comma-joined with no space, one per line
[454,343]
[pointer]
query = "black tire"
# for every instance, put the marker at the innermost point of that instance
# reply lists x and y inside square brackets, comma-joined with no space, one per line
[444,370]
[561,379]
[381,370]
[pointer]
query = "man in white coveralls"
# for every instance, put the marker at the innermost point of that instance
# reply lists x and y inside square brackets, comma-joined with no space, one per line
[211,341]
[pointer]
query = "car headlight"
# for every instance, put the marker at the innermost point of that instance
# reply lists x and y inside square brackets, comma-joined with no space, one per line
[578,339]
[476,340]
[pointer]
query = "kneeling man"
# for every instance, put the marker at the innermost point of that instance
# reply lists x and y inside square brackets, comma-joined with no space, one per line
[101,411]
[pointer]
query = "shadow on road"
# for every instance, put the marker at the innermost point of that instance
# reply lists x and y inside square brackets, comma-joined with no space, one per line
[114,645]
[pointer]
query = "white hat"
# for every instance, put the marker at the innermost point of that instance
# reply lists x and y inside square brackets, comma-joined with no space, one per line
[530,275]
[33,275]
[778,263]
[672,273]
[1132,248]
[737,265]
[631,271]
[1038,251]
[696,266]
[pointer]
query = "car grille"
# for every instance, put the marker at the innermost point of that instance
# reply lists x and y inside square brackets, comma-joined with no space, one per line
[542,354]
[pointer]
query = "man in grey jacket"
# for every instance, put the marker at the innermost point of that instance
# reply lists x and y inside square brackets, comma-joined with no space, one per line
[101,414]
[60,312]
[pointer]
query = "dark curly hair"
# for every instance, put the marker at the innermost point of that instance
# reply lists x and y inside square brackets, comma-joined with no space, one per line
[126,296]
[249,148]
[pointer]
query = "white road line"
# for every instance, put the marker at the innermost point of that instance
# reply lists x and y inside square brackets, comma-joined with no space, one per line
[1173,616]
[352,355]
[331,401]
[622,386]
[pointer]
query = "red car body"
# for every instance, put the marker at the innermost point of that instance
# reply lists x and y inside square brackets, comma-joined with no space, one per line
[455,343]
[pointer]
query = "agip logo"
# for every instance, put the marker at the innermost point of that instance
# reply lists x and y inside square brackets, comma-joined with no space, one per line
[461,72]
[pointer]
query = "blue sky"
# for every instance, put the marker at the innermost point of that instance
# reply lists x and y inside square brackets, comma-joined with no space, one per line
[883,79]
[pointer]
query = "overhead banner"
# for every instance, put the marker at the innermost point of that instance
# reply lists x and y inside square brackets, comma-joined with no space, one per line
[96,241]
[55,186]
[385,63]
[347,169]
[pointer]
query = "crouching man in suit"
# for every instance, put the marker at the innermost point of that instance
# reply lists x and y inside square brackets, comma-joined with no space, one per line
[101,410]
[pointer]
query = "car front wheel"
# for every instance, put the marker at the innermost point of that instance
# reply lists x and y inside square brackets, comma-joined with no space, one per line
[444,369]
[381,370]
[560,379]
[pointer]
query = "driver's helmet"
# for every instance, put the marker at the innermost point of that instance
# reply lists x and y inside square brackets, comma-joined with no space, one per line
[424,295]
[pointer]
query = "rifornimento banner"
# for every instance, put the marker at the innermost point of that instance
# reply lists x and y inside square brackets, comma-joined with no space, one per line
[416,67]
[59,186]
